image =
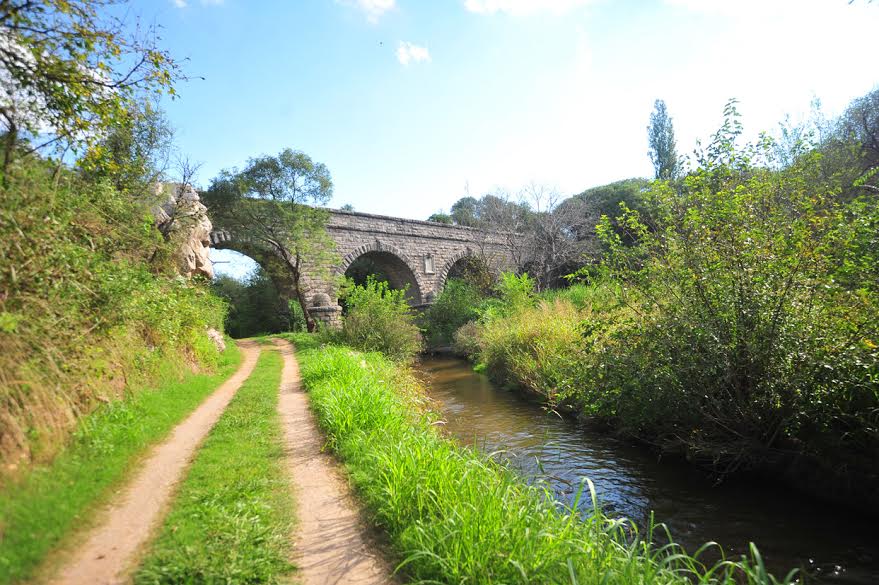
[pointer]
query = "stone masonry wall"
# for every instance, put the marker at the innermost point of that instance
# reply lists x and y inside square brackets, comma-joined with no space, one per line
[419,252]
[427,249]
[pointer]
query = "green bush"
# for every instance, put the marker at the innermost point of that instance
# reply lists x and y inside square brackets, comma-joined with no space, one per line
[255,307]
[748,332]
[380,319]
[456,305]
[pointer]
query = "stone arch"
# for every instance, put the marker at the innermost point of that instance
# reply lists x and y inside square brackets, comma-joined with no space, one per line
[450,263]
[399,266]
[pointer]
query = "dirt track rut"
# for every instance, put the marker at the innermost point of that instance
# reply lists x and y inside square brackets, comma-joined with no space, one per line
[331,544]
[112,547]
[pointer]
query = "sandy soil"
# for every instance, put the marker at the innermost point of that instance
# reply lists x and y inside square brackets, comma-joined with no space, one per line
[111,549]
[331,544]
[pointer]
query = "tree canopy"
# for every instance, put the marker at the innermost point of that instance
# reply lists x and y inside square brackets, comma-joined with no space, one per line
[661,141]
[272,202]
[70,69]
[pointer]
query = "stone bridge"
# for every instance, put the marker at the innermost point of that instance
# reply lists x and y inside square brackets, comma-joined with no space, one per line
[409,253]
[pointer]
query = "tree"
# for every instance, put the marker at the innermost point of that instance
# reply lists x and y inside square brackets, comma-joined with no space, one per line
[271,203]
[860,124]
[463,211]
[551,235]
[255,307]
[661,142]
[751,293]
[587,208]
[135,152]
[69,69]
[440,217]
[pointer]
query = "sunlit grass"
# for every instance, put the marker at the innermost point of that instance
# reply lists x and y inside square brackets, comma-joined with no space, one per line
[231,520]
[454,515]
[37,512]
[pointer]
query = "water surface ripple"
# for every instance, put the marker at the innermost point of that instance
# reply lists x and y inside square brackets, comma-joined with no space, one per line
[790,530]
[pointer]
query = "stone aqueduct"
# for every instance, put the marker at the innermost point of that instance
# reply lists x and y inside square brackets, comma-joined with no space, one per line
[420,254]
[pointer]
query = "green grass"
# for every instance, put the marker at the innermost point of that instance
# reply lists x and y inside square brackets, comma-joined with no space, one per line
[37,511]
[454,515]
[232,519]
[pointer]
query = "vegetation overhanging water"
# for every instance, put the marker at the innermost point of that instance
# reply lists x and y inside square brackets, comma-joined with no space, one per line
[832,546]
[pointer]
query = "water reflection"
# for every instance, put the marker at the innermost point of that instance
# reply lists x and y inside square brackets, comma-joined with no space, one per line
[789,529]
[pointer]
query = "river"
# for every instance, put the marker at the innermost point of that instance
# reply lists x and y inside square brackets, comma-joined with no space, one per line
[790,530]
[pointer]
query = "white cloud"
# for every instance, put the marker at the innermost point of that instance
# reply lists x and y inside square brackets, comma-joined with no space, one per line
[373,9]
[179,3]
[518,7]
[411,53]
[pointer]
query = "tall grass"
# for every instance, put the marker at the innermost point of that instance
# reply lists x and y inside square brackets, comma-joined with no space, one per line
[456,516]
[90,306]
[232,518]
[48,502]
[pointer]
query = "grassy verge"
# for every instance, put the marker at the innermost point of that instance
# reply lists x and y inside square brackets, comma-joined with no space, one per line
[454,515]
[37,511]
[232,518]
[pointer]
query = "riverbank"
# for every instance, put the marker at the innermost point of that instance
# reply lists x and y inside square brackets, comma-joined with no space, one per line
[831,545]
[452,513]
[587,352]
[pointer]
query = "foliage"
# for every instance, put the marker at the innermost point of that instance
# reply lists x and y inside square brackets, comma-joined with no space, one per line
[535,347]
[85,313]
[269,205]
[255,306]
[71,66]
[513,293]
[596,202]
[232,517]
[454,515]
[661,141]
[440,217]
[379,319]
[752,339]
[456,305]
[737,323]
[41,508]
[134,153]
[465,211]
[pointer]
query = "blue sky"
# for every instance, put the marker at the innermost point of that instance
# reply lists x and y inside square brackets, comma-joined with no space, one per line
[410,102]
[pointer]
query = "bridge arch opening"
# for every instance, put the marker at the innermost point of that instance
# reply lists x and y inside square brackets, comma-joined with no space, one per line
[386,266]
[469,267]
[257,291]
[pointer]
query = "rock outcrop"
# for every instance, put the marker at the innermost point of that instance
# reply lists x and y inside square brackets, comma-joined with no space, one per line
[183,219]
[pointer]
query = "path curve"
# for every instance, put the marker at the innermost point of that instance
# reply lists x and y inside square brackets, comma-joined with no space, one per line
[112,547]
[331,545]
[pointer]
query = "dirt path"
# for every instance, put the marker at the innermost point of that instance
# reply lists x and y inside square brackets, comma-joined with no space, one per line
[331,546]
[111,549]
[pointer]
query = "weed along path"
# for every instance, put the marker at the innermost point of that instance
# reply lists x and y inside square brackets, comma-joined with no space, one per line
[111,549]
[330,545]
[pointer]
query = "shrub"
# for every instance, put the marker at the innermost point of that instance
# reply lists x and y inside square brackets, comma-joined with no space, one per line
[456,305]
[739,323]
[380,319]
[539,348]
[748,333]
